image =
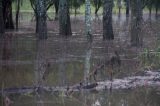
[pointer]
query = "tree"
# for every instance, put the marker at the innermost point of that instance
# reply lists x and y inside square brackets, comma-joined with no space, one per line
[76,4]
[7,14]
[136,23]
[17,12]
[64,18]
[157,6]
[149,6]
[1,19]
[107,20]
[56,5]
[88,20]
[119,4]
[97,4]
[127,3]
[41,19]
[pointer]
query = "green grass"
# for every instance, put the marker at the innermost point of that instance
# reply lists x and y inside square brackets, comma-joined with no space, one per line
[26,7]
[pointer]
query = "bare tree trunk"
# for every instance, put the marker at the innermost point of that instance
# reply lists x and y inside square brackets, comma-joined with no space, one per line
[7,14]
[119,7]
[97,5]
[75,11]
[156,10]
[56,4]
[127,7]
[88,20]
[150,12]
[64,18]
[136,23]
[1,19]
[17,13]
[41,25]
[107,20]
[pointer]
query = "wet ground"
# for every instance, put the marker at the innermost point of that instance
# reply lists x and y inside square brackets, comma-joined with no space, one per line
[57,61]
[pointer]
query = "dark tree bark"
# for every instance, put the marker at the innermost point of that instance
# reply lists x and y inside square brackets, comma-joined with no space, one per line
[136,23]
[41,25]
[17,13]
[127,7]
[119,7]
[56,4]
[150,11]
[7,14]
[107,20]
[88,21]
[1,19]
[156,7]
[97,4]
[64,18]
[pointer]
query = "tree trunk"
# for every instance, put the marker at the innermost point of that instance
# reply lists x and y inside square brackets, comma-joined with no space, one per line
[56,4]
[107,20]
[119,7]
[17,13]
[150,12]
[64,18]
[88,20]
[127,7]
[136,23]
[97,6]
[156,10]
[7,14]
[41,25]
[1,19]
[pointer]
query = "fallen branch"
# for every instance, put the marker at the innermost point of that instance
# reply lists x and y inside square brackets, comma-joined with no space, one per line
[149,79]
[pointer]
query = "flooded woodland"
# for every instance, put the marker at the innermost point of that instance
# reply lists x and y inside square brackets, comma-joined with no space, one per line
[43,62]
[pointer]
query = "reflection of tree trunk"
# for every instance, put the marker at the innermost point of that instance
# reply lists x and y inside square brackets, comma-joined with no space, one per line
[39,99]
[17,13]
[6,51]
[87,62]
[41,25]
[41,65]
[62,65]
[7,14]
[1,20]
[64,18]
[62,73]
[107,20]
[136,23]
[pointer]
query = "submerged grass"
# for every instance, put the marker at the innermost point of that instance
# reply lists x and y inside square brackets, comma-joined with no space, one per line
[150,59]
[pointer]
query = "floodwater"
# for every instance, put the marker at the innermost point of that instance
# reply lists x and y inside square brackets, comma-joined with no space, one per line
[57,61]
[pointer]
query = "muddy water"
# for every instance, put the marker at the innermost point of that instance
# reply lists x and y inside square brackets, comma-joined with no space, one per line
[26,61]
[137,97]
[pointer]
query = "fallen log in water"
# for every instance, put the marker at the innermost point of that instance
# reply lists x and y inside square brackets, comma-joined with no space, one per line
[149,79]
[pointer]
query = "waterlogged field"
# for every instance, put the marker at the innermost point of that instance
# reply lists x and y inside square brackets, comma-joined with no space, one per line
[67,60]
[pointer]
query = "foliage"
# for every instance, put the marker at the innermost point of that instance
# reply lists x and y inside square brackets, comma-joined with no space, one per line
[76,3]
[150,59]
